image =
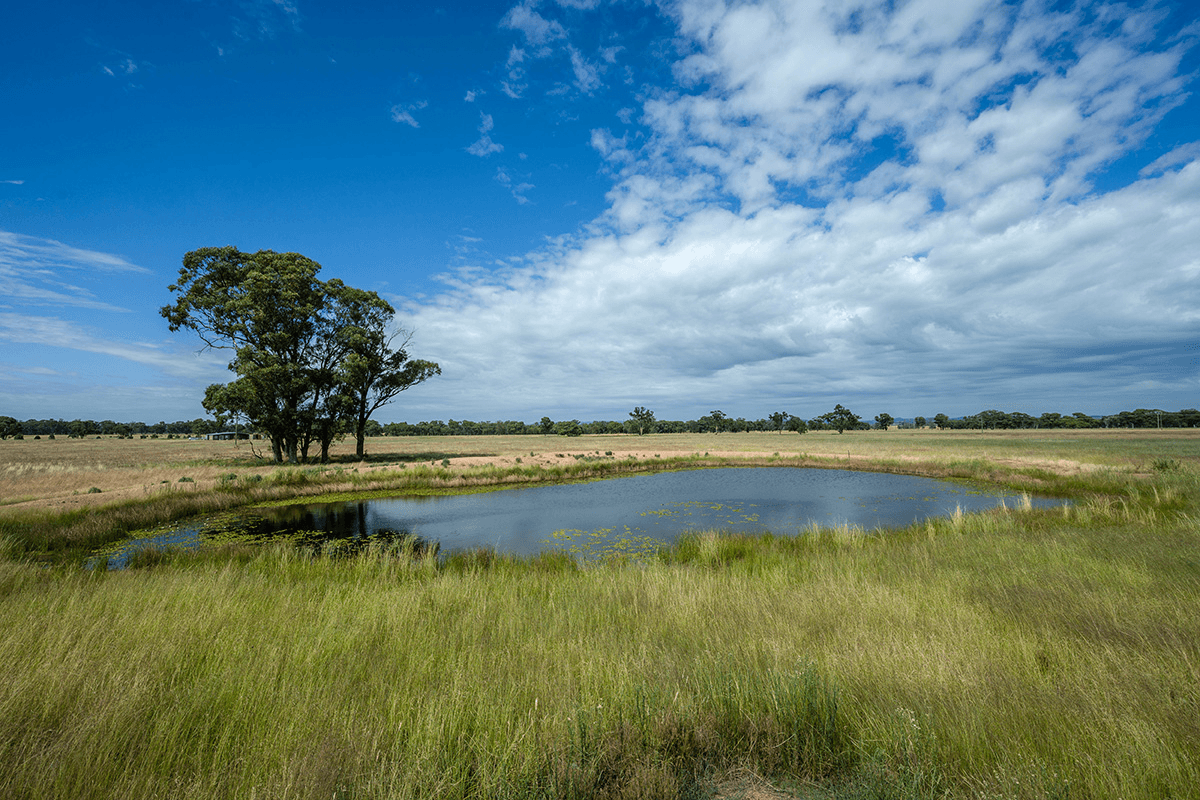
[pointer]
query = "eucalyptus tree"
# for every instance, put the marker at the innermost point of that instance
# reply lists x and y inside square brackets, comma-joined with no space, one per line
[373,367]
[312,358]
[841,418]
[643,419]
[9,426]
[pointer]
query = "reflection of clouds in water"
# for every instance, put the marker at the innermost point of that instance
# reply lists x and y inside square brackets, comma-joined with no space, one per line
[634,516]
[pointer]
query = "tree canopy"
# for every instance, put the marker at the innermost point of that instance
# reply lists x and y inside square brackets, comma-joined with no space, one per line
[841,418]
[642,419]
[313,359]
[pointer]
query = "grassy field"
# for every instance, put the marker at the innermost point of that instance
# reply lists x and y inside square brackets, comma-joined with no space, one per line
[1016,654]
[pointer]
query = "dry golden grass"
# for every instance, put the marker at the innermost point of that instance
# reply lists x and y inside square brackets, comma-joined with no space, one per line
[60,473]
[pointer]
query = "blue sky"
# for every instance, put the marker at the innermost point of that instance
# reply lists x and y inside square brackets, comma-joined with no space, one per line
[581,206]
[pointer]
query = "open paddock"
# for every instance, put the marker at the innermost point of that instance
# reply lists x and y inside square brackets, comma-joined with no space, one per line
[62,473]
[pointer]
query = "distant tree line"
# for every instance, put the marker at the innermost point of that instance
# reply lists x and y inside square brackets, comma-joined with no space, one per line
[643,423]
[1009,420]
[82,428]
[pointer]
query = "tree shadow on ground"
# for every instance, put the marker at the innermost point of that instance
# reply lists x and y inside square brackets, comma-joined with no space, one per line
[404,458]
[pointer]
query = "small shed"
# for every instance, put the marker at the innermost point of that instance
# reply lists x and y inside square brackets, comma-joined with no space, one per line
[227,435]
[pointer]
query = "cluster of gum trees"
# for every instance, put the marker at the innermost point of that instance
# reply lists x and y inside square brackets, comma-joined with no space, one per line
[314,359]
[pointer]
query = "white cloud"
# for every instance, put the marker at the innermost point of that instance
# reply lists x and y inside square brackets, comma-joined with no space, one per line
[609,54]
[37,271]
[896,206]
[587,74]
[513,86]
[518,188]
[484,146]
[403,112]
[548,39]
[27,329]
[15,183]
[1183,154]
[126,66]
[42,272]
[537,29]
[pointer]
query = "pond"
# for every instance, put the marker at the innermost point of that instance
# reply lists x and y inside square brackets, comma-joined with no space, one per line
[630,514]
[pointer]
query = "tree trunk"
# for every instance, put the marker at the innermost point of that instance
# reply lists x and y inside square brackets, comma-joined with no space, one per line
[360,432]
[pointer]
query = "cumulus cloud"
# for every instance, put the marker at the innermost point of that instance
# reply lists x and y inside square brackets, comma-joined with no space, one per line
[484,146]
[895,203]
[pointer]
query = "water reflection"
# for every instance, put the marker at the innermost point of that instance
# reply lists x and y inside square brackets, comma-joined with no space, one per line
[347,524]
[623,515]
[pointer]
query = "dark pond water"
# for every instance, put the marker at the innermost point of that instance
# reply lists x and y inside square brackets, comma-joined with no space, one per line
[631,514]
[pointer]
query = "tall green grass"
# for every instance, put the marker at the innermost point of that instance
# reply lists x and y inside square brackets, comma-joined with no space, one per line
[1015,654]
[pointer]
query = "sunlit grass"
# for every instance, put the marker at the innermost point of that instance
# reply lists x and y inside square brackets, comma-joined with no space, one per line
[1017,653]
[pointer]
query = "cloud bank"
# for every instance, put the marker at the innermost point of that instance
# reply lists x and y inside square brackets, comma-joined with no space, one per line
[890,204]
